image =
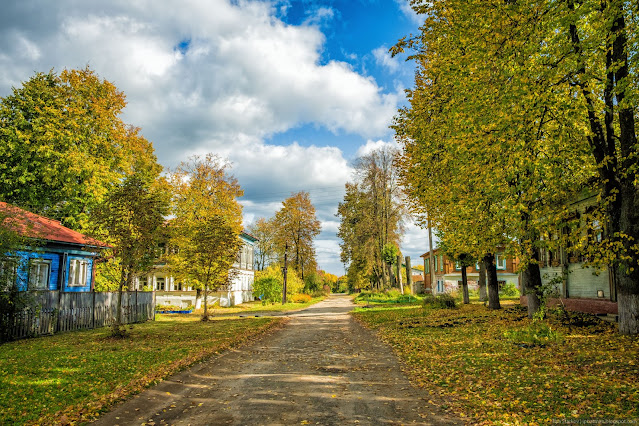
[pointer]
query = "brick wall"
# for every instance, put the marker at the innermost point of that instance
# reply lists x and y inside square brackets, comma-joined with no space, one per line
[593,306]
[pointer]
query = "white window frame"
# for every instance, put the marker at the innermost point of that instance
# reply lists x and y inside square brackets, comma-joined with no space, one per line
[39,273]
[78,272]
[500,261]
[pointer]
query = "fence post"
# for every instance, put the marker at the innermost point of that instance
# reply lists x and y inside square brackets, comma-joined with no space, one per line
[57,325]
[93,311]
[137,316]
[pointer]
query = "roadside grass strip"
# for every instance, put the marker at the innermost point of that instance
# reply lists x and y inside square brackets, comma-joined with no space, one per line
[71,377]
[477,362]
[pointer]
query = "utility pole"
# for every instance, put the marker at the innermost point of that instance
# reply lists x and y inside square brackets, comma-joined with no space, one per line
[285,270]
[431,261]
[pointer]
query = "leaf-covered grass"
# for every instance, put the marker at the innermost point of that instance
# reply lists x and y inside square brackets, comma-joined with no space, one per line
[255,307]
[72,376]
[463,356]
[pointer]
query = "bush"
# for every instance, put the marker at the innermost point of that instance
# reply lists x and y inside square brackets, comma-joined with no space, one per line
[441,301]
[301,298]
[509,289]
[168,308]
[393,293]
[268,289]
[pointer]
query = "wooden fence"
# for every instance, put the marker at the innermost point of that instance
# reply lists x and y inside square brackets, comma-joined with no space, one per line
[52,312]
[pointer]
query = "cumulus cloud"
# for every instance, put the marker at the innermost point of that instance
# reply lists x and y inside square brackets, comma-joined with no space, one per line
[408,11]
[371,146]
[384,58]
[216,76]
[198,73]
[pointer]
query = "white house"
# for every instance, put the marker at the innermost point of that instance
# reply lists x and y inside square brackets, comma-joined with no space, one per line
[170,291]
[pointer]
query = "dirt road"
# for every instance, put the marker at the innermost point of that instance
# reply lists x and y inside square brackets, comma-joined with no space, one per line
[320,368]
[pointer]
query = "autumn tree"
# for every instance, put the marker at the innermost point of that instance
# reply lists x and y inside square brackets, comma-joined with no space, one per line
[132,215]
[371,215]
[492,147]
[64,145]
[265,250]
[296,226]
[204,196]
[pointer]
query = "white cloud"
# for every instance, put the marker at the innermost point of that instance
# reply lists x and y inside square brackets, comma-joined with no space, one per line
[408,11]
[213,76]
[384,58]
[371,146]
[208,70]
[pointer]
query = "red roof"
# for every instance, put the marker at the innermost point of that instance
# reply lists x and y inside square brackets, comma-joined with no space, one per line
[31,225]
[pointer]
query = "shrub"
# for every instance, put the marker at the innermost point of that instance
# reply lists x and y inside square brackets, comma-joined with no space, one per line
[509,289]
[301,298]
[268,289]
[393,293]
[441,301]
[167,308]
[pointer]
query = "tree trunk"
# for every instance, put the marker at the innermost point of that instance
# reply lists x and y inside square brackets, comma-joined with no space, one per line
[431,260]
[493,285]
[399,273]
[483,296]
[626,271]
[409,275]
[531,284]
[465,285]
[198,298]
[117,330]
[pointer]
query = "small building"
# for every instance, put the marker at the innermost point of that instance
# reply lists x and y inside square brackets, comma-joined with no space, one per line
[170,291]
[580,287]
[448,277]
[57,258]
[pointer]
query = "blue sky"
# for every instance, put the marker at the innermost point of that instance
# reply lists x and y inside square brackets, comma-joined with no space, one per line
[289,91]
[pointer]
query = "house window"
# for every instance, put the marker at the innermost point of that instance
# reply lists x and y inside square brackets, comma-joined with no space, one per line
[39,270]
[441,263]
[436,259]
[500,261]
[159,284]
[78,272]
[427,266]
[457,266]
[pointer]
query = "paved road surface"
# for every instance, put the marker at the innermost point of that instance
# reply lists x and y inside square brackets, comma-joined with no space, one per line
[320,368]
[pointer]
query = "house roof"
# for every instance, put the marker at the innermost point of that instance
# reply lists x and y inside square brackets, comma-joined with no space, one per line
[31,225]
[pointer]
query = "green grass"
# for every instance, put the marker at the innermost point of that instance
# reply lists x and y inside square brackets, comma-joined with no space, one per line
[464,357]
[72,376]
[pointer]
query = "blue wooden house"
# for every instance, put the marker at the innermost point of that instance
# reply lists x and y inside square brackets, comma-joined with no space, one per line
[59,258]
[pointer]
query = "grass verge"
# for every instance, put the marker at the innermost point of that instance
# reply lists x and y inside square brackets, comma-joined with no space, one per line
[254,307]
[464,356]
[71,377]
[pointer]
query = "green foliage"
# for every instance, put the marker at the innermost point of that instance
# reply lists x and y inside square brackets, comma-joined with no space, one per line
[294,284]
[12,300]
[64,146]
[509,290]
[536,334]
[370,218]
[312,283]
[391,296]
[268,289]
[441,301]
[389,253]
[296,226]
